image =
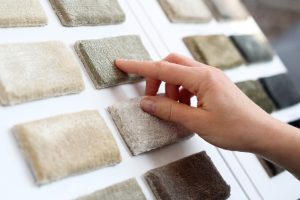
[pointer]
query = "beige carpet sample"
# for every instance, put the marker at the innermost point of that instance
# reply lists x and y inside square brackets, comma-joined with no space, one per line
[186,11]
[194,177]
[214,50]
[126,190]
[225,10]
[21,13]
[143,132]
[65,145]
[98,57]
[31,71]
[88,12]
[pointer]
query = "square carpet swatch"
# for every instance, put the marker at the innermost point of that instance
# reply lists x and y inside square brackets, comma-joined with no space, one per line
[271,168]
[126,190]
[65,145]
[254,48]
[194,177]
[143,132]
[295,123]
[186,11]
[255,91]
[225,10]
[98,57]
[282,90]
[31,71]
[88,12]
[214,50]
[21,13]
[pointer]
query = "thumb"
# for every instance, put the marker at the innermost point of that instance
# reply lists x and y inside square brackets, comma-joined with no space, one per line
[170,110]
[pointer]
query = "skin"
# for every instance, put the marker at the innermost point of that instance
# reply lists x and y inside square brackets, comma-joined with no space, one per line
[224,116]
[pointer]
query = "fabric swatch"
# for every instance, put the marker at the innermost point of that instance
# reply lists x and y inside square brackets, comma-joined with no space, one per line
[254,48]
[98,57]
[214,50]
[255,91]
[21,13]
[143,132]
[282,90]
[66,145]
[193,177]
[295,123]
[126,190]
[186,11]
[32,71]
[271,168]
[88,12]
[225,10]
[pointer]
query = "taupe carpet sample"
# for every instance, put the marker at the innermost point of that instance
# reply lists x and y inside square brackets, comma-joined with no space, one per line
[98,57]
[186,11]
[88,12]
[32,71]
[143,132]
[228,9]
[214,50]
[65,145]
[194,177]
[255,91]
[126,190]
[21,13]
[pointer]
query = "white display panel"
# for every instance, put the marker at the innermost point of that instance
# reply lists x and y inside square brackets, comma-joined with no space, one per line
[16,180]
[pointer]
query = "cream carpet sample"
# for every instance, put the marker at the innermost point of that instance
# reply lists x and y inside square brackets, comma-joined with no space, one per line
[98,57]
[126,190]
[143,132]
[21,13]
[31,71]
[186,11]
[88,12]
[65,145]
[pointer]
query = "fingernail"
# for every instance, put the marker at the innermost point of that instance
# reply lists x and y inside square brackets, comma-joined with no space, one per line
[148,105]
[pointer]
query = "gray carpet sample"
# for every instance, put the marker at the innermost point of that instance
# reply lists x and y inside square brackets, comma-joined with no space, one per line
[255,91]
[88,12]
[143,132]
[98,57]
[194,177]
[126,190]
[65,145]
[31,71]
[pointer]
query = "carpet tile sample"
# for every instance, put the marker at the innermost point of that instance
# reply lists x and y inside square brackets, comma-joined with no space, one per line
[186,11]
[31,71]
[225,10]
[88,12]
[126,190]
[295,123]
[21,13]
[98,57]
[254,48]
[271,168]
[194,177]
[255,91]
[65,145]
[143,132]
[282,90]
[214,50]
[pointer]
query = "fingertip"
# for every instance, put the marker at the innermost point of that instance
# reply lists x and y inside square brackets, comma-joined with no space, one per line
[119,62]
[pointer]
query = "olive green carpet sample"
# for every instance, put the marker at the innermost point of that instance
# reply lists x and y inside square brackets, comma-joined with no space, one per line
[186,11]
[254,48]
[126,190]
[88,12]
[31,71]
[143,132]
[255,91]
[194,177]
[225,10]
[21,13]
[214,50]
[65,145]
[98,57]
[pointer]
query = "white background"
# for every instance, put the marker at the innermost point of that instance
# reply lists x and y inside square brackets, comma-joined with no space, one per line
[247,178]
